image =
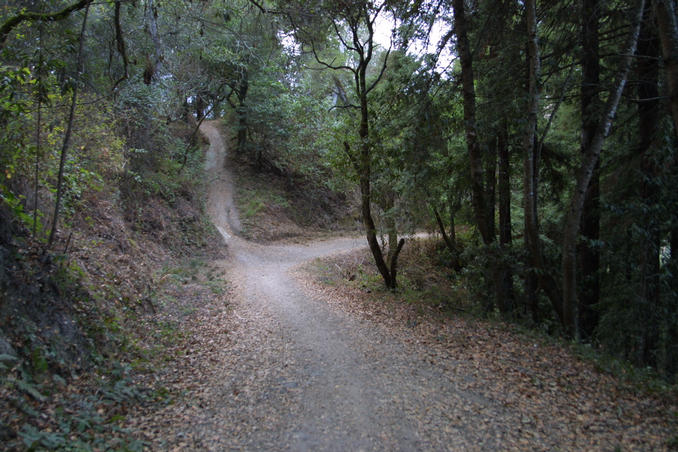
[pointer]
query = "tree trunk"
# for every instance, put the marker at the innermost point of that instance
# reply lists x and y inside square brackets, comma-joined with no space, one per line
[199,106]
[38,155]
[152,26]
[38,142]
[450,240]
[648,118]
[590,160]
[590,225]
[532,241]
[69,130]
[504,186]
[453,205]
[475,159]
[241,113]
[505,292]
[667,25]
[490,185]
[364,173]
[390,224]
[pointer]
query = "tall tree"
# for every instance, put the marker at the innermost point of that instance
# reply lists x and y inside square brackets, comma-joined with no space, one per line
[352,23]
[590,224]
[647,68]
[570,314]
[667,24]
[69,128]
[530,171]
[479,197]
[505,291]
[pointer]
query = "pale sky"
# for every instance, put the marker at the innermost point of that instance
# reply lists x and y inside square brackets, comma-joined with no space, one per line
[384,26]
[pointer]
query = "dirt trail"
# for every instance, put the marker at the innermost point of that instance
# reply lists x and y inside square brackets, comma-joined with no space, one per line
[293,373]
[313,378]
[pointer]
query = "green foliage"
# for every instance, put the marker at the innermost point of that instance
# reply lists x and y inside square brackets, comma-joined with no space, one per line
[92,423]
[255,200]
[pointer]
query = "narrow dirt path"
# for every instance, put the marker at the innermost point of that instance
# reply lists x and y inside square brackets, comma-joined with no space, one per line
[293,373]
[332,382]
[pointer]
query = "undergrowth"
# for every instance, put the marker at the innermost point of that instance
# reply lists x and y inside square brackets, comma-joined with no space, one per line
[84,326]
[426,283]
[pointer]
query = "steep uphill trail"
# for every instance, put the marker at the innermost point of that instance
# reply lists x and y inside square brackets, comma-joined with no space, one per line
[291,372]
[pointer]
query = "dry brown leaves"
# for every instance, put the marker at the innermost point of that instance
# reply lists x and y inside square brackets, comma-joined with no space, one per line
[562,398]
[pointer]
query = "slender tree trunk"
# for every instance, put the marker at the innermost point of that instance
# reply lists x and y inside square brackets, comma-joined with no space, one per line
[199,106]
[648,118]
[152,26]
[364,171]
[673,261]
[241,113]
[453,205]
[585,173]
[38,143]
[495,271]
[590,224]
[667,25]
[506,299]
[450,240]
[490,186]
[504,186]
[479,197]
[38,155]
[532,241]
[391,228]
[475,158]
[69,130]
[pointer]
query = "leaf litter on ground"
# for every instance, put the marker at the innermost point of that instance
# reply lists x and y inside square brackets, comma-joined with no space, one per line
[578,406]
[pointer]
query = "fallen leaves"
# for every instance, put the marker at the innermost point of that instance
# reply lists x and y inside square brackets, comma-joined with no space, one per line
[561,402]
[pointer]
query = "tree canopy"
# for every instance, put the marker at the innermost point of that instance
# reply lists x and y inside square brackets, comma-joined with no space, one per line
[545,131]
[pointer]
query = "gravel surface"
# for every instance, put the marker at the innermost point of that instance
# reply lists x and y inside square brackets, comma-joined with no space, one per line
[286,370]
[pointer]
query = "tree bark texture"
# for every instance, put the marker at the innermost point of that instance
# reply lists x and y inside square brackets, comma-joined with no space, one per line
[152,27]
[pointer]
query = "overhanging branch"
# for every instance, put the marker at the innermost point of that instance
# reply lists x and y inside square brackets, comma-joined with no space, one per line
[32,16]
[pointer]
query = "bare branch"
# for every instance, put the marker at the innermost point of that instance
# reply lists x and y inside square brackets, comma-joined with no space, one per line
[344,107]
[31,16]
[341,38]
[259,6]
[120,40]
[326,64]
[381,72]
[566,84]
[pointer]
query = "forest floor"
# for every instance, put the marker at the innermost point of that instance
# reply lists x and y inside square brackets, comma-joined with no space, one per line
[292,363]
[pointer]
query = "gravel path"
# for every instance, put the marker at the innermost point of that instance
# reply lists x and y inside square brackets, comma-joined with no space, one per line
[292,372]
